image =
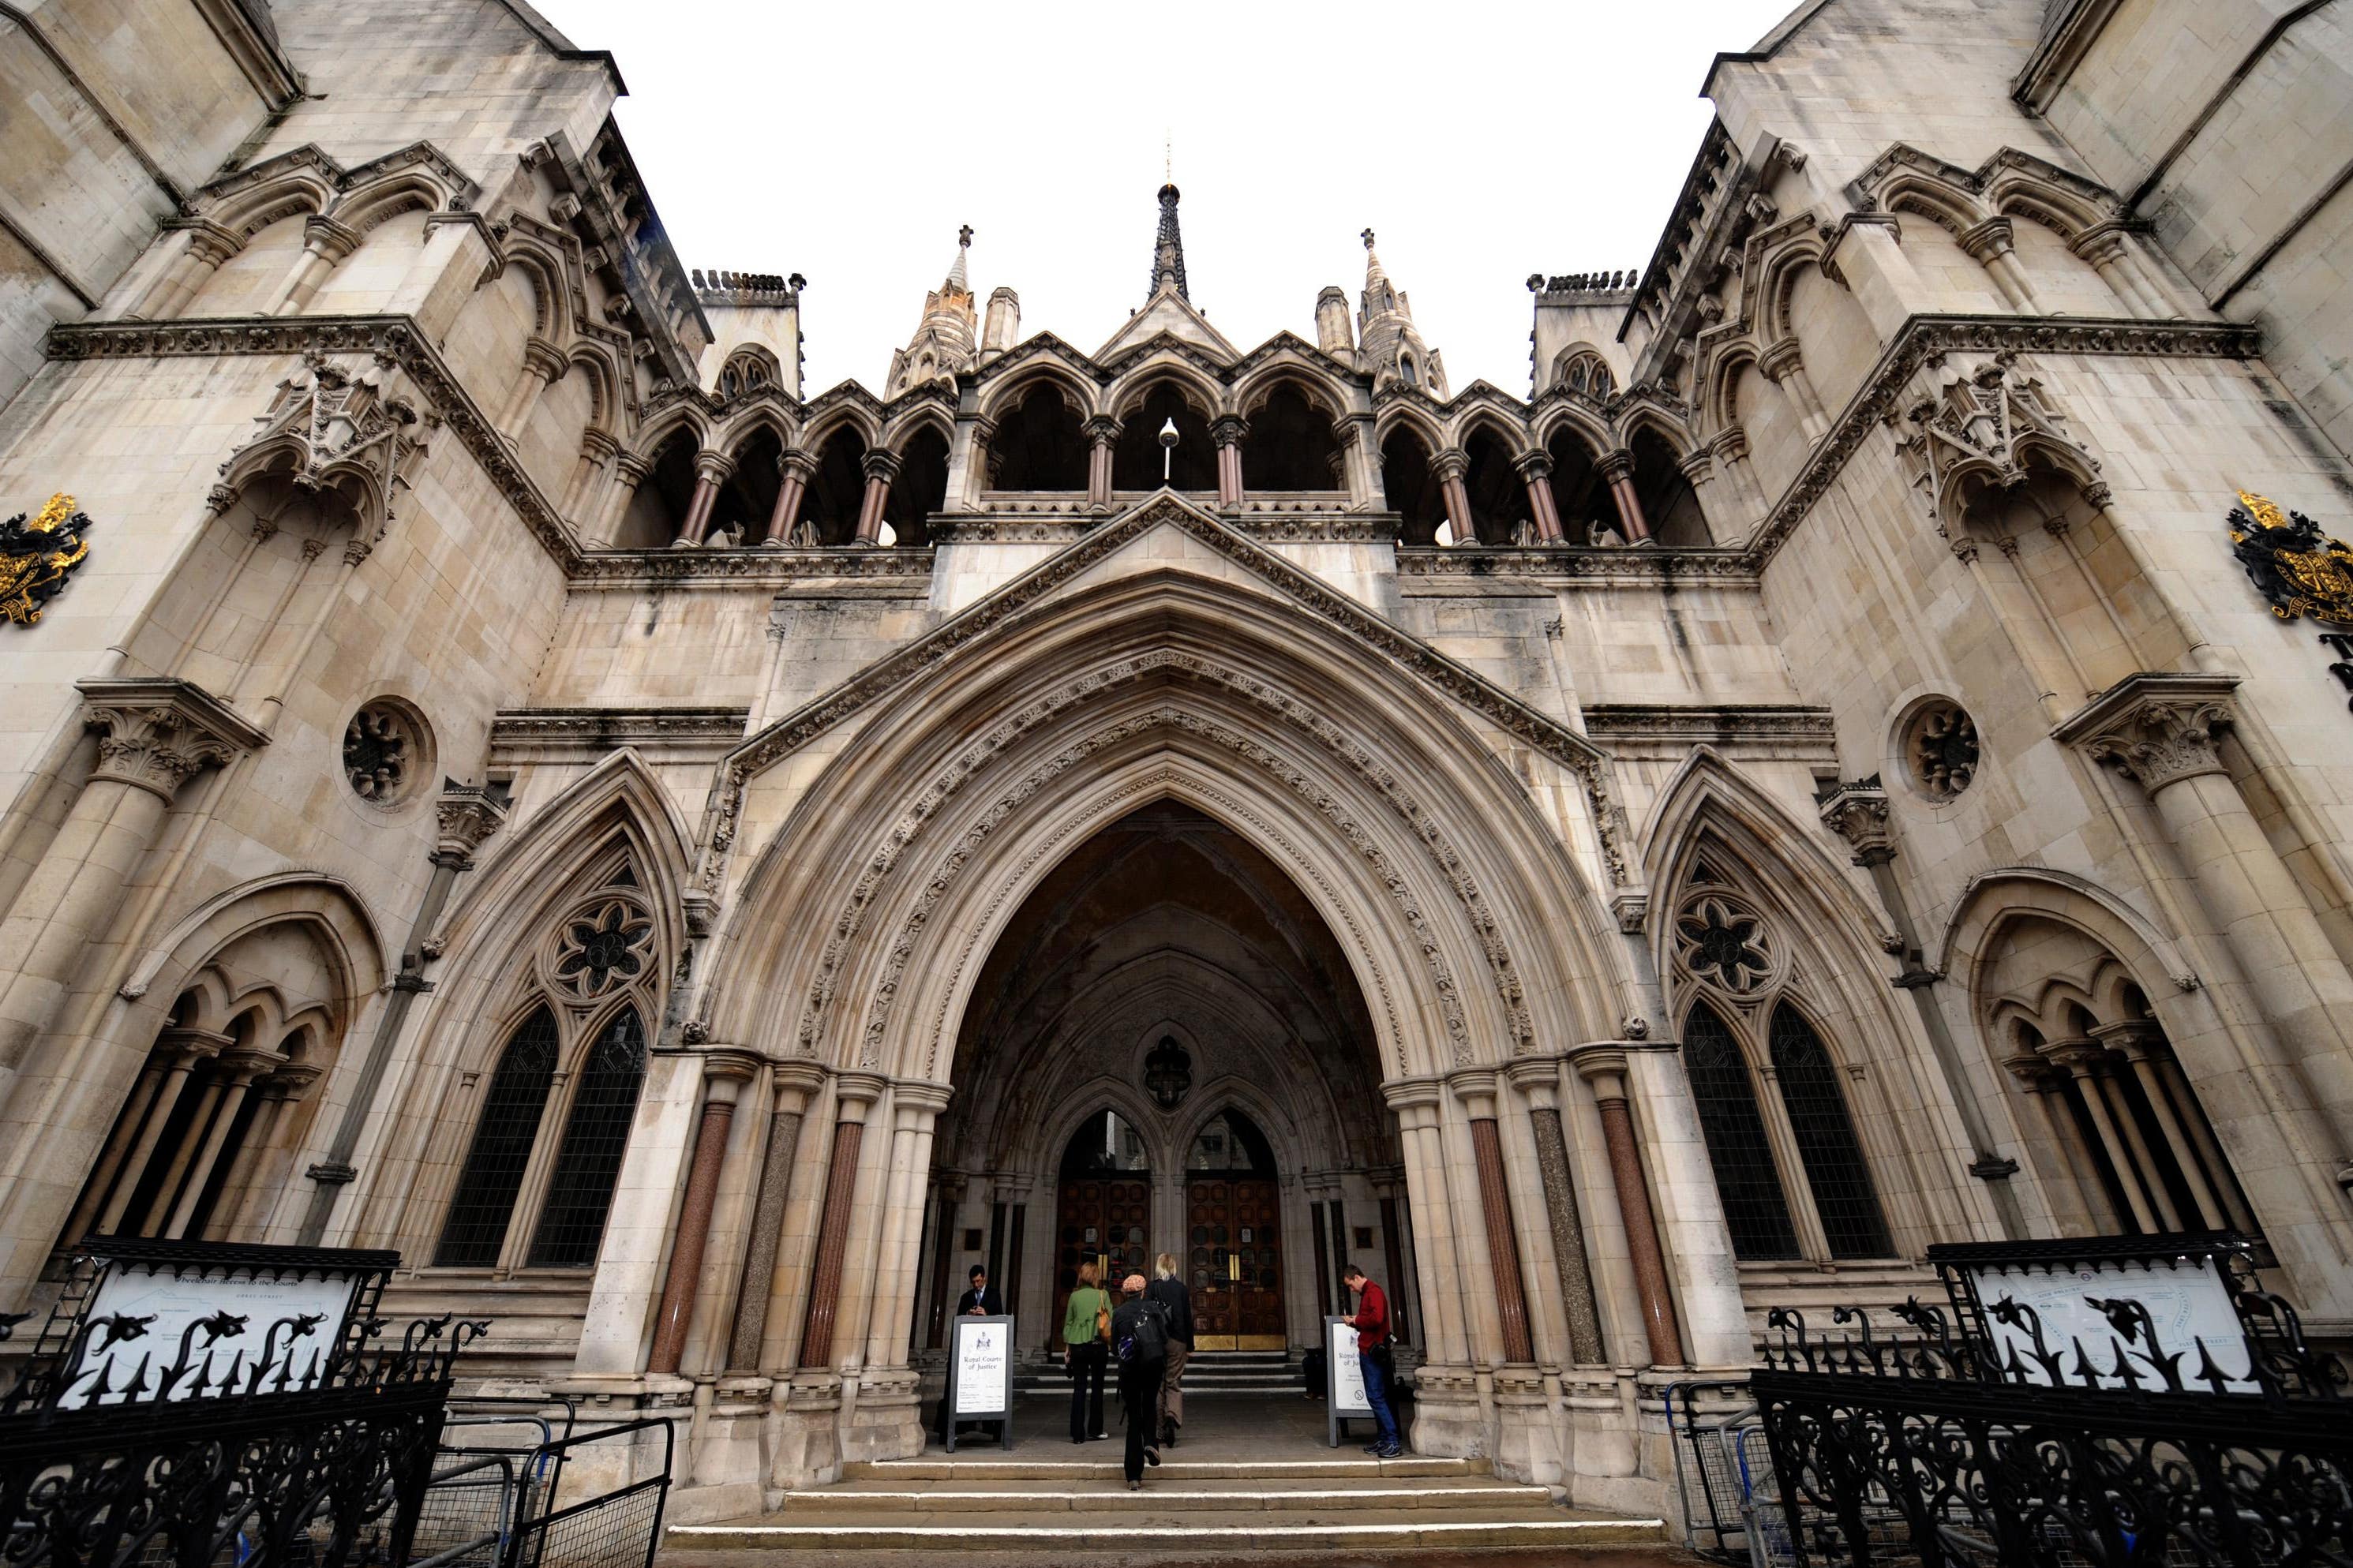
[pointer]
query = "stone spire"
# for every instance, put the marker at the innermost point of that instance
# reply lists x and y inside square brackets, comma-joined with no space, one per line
[1168,249]
[1388,344]
[945,342]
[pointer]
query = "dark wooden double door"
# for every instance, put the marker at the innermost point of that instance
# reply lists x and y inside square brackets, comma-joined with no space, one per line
[1107,1222]
[1234,1261]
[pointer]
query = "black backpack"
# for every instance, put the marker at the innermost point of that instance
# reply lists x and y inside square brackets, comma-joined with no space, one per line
[1146,1338]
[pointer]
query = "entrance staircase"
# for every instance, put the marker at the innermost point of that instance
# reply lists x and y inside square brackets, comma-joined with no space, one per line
[1207,1372]
[1035,1507]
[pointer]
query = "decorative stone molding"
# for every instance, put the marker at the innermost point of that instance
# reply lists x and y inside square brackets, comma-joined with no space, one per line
[1566,563]
[1721,943]
[1924,337]
[571,733]
[604,945]
[465,816]
[1941,748]
[385,750]
[1681,723]
[156,733]
[766,566]
[1978,424]
[1857,812]
[2158,729]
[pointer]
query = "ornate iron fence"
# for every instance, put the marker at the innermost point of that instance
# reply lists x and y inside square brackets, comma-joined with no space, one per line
[1924,1444]
[307,1443]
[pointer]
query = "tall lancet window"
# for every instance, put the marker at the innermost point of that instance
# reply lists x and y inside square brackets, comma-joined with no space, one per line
[1737,1149]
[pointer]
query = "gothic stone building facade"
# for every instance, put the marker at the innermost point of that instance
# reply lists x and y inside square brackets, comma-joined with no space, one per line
[511,774]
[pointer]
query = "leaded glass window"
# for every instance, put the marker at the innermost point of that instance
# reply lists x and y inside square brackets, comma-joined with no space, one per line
[595,1136]
[1827,1146]
[1755,1208]
[476,1227]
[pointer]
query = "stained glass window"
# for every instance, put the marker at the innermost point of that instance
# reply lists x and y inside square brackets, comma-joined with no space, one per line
[1827,1145]
[477,1224]
[595,1136]
[1754,1205]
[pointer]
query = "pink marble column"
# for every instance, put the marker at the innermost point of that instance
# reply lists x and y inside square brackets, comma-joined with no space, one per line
[1605,1071]
[1228,432]
[882,467]
[1451,464]
[1477,1092]
[723,1082]
[1618,468]
[710,471]
[799,468]
[857,1093]
[1535,470]
[1102,433]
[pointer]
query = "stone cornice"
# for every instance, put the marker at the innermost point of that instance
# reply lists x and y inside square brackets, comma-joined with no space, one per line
[1566,562]
[1923,337]
[1686,722]
[393,339]
[757,566]
[610,729]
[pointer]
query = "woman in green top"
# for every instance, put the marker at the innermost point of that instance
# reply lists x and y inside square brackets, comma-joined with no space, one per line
[1085,1321]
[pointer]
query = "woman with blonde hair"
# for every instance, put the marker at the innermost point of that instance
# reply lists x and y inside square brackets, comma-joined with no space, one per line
[1086,1329]
[1176,1305]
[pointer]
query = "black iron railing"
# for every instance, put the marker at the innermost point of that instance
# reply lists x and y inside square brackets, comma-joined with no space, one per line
[1918,1441]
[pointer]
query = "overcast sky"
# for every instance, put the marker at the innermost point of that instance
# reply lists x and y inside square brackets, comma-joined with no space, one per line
[1481,142]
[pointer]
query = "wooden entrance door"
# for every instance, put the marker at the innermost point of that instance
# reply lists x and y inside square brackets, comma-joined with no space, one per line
[1103,1220]
[1234,1232]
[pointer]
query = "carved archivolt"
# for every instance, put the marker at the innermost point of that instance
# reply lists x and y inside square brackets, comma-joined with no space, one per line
[977,758]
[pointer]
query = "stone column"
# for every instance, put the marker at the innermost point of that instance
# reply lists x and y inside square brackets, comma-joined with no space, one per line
[915,1107]
[249,1195]
[1535,471]
[792,1083]
[629,471]
[949,1192]
[1451,465]
[2142,1047]
[1365,456]
[1539,1080]
[584,498]
[799,468]
[206,247]
[1102,436]
[240,1068]
[542,366]
[155,734]
[2081,1059]
[2046,1087]
[1415,1101]
[2160,729]
[180,1050]
[1603,1068]
[1698,471]
[1476,1090]
[1228,431]
[2102,244]
[855,1094]
[1730,449]
[710,471]
[1784,367]
[1858,814]
[1990,245]
[325,245]
[880,468]
[1618,468]
[725,1073]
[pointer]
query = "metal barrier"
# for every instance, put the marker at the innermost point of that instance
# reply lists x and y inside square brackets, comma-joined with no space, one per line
[499,1496]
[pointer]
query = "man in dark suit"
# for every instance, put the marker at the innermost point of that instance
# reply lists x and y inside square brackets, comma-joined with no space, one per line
[981,1301]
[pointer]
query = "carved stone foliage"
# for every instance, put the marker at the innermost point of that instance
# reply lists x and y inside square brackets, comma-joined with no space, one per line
[158,734]
[604,946]
[1857,811]
[1721,943]
[1975,426]
[1940,748]
[2158,728]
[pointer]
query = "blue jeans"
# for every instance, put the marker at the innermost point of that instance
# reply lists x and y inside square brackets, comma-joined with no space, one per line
[1376,1394]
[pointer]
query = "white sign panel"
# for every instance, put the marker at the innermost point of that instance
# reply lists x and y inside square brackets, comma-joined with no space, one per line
[1348,1396]
[2187,1301]
[982,1374]
[176,1297]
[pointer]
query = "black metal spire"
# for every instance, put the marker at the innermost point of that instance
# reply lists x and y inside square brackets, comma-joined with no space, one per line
[1169,249]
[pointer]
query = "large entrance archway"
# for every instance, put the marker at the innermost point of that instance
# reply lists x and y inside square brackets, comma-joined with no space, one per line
[1167,1053]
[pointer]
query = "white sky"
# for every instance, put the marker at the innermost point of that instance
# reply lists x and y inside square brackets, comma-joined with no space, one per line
[1482,141]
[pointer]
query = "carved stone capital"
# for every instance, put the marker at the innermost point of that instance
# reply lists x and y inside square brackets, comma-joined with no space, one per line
[881,465]
[331,239]
[2158,728]
[544,360]
[1731,445]
[1988,240]
[1450,463]
[1616,465]
[598,446]
[1535,464]
[1778,360]
[157,733]
[1858,812]
[1101,429]
[1228,429]
[632,467]
[211,243]
[465,815]
[715,468]
[798,461]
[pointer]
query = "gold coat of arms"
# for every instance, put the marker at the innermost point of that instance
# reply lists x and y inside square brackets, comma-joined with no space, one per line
[38,558]
[2299,569]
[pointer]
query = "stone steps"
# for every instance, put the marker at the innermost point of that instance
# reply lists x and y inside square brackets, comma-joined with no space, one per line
[1207,1372]
[1028,1507]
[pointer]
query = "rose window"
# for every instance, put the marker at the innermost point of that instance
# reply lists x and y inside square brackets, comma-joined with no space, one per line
[1723,943]
[603,947]
[1943,752]
[379,752]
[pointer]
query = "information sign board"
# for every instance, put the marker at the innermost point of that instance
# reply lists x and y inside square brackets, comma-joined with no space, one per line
[2187,1299]
[1344,1399]
[980,1374]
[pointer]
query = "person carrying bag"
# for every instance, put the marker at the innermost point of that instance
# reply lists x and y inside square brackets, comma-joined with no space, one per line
[1086,1331]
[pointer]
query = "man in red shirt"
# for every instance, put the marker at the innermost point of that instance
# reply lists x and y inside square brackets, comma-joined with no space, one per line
[1372,1325]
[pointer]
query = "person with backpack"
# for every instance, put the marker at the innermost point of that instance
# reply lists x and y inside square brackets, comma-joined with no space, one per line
[1139,1343]
[1169,1291]
[1086,1321]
